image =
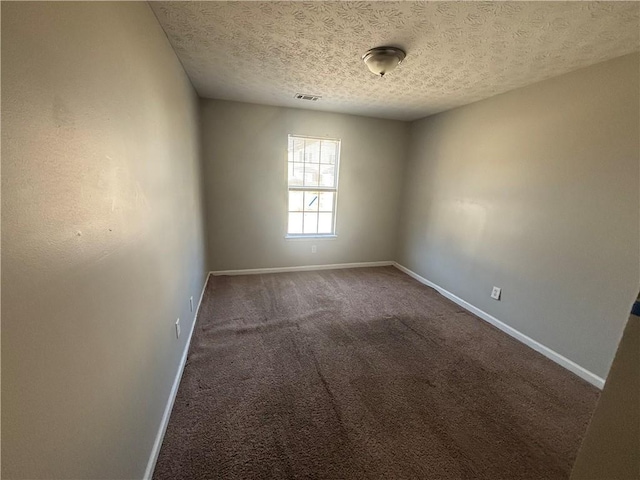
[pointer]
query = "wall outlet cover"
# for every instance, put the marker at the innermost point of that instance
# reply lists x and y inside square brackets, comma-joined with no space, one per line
[495,293]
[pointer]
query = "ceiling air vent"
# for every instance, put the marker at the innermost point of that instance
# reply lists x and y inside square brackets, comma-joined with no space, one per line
[306,96]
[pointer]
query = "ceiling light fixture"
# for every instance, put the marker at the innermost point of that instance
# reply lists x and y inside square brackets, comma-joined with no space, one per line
[382,60]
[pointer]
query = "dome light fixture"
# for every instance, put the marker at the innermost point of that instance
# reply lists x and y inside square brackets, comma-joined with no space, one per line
[381,60]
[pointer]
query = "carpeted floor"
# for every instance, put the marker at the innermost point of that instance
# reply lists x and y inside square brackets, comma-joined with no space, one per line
[364,373]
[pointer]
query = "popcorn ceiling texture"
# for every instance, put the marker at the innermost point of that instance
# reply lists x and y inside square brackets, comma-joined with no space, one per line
[457,53]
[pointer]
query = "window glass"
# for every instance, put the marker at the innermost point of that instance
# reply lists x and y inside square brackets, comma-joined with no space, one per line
[312,178]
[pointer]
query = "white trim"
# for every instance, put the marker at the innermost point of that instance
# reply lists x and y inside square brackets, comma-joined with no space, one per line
[546,351]
[155,451]
[303,268]
[302,236]
[573,367]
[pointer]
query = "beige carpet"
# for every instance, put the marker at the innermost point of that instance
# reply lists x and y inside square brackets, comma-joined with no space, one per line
[364,374]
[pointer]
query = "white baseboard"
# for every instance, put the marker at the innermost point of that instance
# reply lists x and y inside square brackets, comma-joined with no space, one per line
[546,351]
[304,268]
[155,451]
[530,342]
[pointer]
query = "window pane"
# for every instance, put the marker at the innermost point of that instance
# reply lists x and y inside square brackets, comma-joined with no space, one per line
[329,152]
[311,174]
[312,166]
[296,175]
[311,201]
[326,202]
[298,149]
[327,175]
[295,201]
[310,223]
[312,151]
[295,223]
[290,149]
[325,223]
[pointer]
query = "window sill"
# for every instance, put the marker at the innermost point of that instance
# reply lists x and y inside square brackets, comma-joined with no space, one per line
[309,237]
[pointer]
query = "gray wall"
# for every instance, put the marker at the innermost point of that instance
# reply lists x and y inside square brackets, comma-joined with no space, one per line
[244,159]
[611,447]
[535,191]
[102,242]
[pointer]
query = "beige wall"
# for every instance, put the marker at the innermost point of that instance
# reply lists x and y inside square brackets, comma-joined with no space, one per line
[244,159]
[101,235]
[611,447]
[535,191]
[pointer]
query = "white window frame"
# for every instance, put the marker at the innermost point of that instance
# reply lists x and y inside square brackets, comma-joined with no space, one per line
[301,188]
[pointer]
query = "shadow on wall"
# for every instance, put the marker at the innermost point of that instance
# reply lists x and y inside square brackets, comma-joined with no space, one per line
[611,448]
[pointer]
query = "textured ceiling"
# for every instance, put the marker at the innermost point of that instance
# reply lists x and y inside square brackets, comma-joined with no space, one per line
[457,53]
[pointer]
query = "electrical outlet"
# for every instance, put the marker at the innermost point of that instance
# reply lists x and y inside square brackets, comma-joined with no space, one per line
[191,303]
[313,249]
[495,293]
[178,328]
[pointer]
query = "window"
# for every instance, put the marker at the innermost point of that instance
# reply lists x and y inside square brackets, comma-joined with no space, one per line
[312,167]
